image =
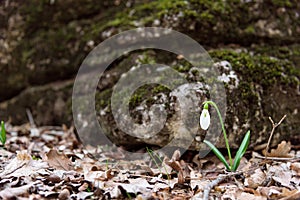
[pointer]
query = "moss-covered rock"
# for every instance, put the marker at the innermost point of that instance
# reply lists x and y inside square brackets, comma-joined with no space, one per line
[268,87]
[49,104]
[258,87]
[45,41]
[219,22]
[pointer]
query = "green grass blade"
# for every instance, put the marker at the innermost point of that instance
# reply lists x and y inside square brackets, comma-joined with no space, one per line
[152,154]
[217,153]
[241,151]
[3,133]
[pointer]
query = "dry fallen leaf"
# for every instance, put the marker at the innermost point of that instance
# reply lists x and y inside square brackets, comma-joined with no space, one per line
[181,178]
[296,167]
[256,179]
[197,180]
[249,196]
[83,187]
[15,164]
[12,193]
[175,165]
[176,155]
[58,160]
[230,193]
[269,192]
[103,177]
[23,166]
[282,151]
[81,195]
[288,193]
[281,174]
[295,196]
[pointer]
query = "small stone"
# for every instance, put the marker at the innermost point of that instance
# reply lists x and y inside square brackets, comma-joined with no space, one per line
[65,194]
[53,178]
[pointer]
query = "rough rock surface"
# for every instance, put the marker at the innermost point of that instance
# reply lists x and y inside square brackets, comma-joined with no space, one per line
[257,87]
[42,44]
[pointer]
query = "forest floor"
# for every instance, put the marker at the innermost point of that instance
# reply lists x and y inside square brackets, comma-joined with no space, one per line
[48,162]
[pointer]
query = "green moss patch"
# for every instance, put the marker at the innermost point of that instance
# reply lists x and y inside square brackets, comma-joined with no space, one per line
[261,69]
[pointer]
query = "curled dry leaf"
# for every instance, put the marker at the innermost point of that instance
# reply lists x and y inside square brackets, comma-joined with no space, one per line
[15,164]
[176,155]
[181,178]
[109,174]
[135,186]
[175,165]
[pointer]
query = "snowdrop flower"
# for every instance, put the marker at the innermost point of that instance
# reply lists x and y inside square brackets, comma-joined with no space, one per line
[205,118]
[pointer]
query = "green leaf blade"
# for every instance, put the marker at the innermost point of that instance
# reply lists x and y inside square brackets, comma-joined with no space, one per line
[218,154]
[3,133]
[242,149]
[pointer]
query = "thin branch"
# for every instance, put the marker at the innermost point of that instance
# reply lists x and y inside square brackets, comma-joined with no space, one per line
[274,126]
[30,118]
[256,155]
[212,185]
[215,182]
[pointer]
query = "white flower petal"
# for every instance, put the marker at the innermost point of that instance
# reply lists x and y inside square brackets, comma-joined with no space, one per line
[204,119]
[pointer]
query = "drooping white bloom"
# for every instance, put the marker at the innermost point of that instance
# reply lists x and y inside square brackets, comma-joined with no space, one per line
[204,119]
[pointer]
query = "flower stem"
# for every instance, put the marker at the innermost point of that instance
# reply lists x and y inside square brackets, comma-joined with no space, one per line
[223,128]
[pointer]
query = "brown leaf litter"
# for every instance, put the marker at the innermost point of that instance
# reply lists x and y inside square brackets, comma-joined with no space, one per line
[48,162]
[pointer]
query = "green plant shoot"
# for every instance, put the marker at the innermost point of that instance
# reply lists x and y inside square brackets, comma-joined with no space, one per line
[3,133]
[152,154]
[205,122]
[241,151]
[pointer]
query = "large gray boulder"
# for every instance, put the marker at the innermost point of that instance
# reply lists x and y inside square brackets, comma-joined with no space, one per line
[43,43]
[257,87]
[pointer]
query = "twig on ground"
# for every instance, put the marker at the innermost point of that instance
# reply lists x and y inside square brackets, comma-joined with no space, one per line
[215,182]
[30,118]
[34,131]
[274,126]
[256,155]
